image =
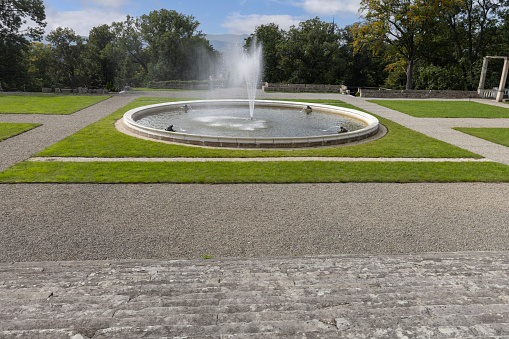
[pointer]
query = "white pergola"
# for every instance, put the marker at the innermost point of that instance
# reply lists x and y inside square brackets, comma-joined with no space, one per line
[503,78]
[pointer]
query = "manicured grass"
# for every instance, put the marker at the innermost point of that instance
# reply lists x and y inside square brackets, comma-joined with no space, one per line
[146,89]
[444,109]
[46,104]
[253,172]
[103,140]
[8,130]
[496,135]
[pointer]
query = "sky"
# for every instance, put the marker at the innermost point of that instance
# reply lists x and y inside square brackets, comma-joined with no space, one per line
[214,16]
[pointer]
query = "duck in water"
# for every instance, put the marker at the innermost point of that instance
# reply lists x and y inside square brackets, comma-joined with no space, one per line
[170,129]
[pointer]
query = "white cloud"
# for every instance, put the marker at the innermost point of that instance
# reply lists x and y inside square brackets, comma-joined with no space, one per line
[106,3]
[82,21]
[329,7]
[246,24]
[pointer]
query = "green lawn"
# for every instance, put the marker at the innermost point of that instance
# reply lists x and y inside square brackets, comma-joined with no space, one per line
[8,130]
[103,140]
[496,135]
[444,109]
[253,172]
[46,104]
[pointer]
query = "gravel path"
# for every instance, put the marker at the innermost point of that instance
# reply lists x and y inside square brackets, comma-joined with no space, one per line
[90,222]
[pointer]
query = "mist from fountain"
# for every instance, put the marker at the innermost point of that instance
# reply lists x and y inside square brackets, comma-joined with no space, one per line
[244,67]
[250,67]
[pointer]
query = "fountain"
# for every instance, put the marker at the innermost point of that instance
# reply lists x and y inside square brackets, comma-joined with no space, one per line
[233,123]
[249,67]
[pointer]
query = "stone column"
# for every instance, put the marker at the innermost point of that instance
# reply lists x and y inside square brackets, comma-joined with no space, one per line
[500,93]
[483,75]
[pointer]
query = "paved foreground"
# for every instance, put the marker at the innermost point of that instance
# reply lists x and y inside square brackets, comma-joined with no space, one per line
[413,296]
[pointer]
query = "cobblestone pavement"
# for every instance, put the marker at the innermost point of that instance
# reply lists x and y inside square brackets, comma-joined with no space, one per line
[434,295]
[425,260]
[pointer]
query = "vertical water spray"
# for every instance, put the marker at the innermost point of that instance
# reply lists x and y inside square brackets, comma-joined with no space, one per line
[250,68]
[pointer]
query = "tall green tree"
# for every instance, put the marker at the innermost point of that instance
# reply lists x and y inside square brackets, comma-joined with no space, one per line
[100,57]
[178,50]
[69,49]
[472,28]
[135,55]
[361,68]
[40,61]
[310,52]
[20,21]
[403,25]
[271,37]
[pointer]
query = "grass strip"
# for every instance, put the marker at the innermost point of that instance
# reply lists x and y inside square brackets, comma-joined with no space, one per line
[253,172]
[101,139]
[496,135]
[46,104]
[8,130]
[444,109]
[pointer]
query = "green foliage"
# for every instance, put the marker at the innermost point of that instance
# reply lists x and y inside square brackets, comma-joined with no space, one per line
[40,63]
[14,39]
[8,130]
[433,77]
[68,65]
[178,51]
[101,59]
[315,52]
[272,38]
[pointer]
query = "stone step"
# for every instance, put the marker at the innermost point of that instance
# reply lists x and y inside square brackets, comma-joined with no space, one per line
[443,295]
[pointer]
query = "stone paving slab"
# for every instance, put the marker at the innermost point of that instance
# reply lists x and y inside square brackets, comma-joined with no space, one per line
[432,295]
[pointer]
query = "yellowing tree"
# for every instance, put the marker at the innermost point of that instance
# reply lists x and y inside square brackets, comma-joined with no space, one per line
[404,25]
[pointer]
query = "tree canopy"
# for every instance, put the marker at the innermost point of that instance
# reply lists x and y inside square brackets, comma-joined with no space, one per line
[412,44]
[20,20]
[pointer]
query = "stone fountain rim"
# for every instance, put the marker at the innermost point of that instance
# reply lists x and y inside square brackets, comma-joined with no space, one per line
[372,125]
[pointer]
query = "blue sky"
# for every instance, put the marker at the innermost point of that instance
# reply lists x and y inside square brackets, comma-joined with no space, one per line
[215,17]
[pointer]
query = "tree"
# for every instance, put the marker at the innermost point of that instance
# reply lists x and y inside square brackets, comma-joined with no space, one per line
[101,60]
[361,68]
[310,53]
[178,50]
[271,37]
[130,44]
[20,20]
[404,25]
[472,29]
[40,61]
[69,51]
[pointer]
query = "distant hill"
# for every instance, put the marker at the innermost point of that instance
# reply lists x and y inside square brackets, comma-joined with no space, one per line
[221,42]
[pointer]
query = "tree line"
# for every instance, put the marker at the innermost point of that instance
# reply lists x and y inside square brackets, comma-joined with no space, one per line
[401,44]
[163,45]
[412,44]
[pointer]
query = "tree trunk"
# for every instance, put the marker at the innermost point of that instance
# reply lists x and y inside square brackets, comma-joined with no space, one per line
[409,72]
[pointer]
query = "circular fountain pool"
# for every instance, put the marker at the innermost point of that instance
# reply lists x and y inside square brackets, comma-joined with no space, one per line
[227,123]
